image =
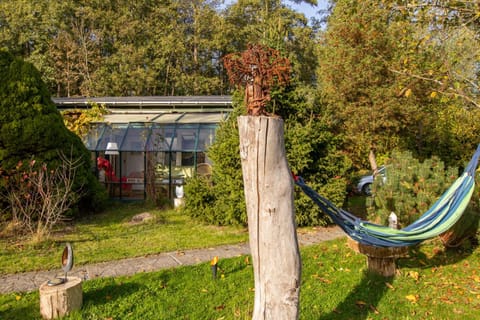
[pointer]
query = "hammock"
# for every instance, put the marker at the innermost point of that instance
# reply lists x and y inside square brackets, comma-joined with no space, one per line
[438,219]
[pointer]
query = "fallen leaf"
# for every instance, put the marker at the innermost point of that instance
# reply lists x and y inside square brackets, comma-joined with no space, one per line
[446,300]
[18,297]
[324,280]
[389,285]
[422,262]
[360,303]
[204,290]
[374,310]
[413,274]
[412,298]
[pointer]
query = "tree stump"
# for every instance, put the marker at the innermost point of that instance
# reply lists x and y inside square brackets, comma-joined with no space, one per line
[273,239]
[60,300]
[380,260]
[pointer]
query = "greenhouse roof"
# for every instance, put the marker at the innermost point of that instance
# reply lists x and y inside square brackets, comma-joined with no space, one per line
[153,123]
[149,102]
[166,117]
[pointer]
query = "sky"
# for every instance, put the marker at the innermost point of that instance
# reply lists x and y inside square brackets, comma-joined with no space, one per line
[307,9]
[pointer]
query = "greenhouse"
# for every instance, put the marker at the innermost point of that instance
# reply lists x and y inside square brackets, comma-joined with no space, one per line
[150,151]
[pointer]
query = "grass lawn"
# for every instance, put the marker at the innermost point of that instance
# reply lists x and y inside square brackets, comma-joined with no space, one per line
[111,236]
[431,284]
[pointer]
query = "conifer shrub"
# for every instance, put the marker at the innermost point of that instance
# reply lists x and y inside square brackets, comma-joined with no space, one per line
[32,128]
[411,187]
[311,153]
[220,199]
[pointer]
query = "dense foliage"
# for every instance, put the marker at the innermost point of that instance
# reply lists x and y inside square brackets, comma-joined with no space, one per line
[79,120]
[381,75]
[311,153]
[32,128]
[410,187]
[147,47]
[402,76]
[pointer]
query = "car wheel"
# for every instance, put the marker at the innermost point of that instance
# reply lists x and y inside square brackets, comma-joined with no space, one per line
[367,189]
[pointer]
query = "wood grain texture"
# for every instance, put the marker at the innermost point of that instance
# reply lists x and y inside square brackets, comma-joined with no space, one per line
[273,239]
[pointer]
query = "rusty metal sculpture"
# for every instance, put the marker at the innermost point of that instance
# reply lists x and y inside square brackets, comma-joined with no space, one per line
[257,69]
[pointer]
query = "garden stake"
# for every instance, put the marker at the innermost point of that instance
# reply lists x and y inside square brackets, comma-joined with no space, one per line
[214,267]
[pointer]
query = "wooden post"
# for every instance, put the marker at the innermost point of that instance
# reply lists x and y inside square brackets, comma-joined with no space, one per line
[58,301]
[273,240]
[379,260]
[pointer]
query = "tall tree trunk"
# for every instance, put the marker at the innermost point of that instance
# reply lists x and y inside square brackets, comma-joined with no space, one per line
[271,218]
[373,161]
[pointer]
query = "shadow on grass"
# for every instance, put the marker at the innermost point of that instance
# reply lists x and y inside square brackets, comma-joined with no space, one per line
[440,256]
[109,292]
[362,301]
[22,313]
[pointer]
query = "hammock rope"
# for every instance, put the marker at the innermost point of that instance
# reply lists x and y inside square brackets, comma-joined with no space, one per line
[441,216]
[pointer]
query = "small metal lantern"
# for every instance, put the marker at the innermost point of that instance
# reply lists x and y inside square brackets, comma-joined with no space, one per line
[67,265]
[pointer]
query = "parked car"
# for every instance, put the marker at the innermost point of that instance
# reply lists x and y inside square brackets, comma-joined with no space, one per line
[364,185]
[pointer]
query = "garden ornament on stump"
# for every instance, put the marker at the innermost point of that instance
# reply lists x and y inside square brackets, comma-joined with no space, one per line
[67,265]
[60,296]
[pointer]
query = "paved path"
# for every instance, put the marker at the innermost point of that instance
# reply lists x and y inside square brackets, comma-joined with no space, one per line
[30,281]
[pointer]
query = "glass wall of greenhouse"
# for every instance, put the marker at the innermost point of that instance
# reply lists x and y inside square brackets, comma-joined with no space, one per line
[148,155]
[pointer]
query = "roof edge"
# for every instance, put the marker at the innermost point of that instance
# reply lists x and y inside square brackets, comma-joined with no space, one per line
[147,102]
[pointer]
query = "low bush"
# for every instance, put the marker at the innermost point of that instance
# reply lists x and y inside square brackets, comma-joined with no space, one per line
[411,187]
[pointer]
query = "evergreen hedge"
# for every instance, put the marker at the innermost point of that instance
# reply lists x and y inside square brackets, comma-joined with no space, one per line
[311,153]
[32,128]
[410,189]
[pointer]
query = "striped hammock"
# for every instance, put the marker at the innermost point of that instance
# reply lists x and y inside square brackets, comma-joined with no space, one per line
[438,219]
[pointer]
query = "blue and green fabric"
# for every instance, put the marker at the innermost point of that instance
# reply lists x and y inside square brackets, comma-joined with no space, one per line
[443,214]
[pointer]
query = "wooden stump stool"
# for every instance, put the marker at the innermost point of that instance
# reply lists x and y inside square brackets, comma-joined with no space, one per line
[380,260]
[60,300]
